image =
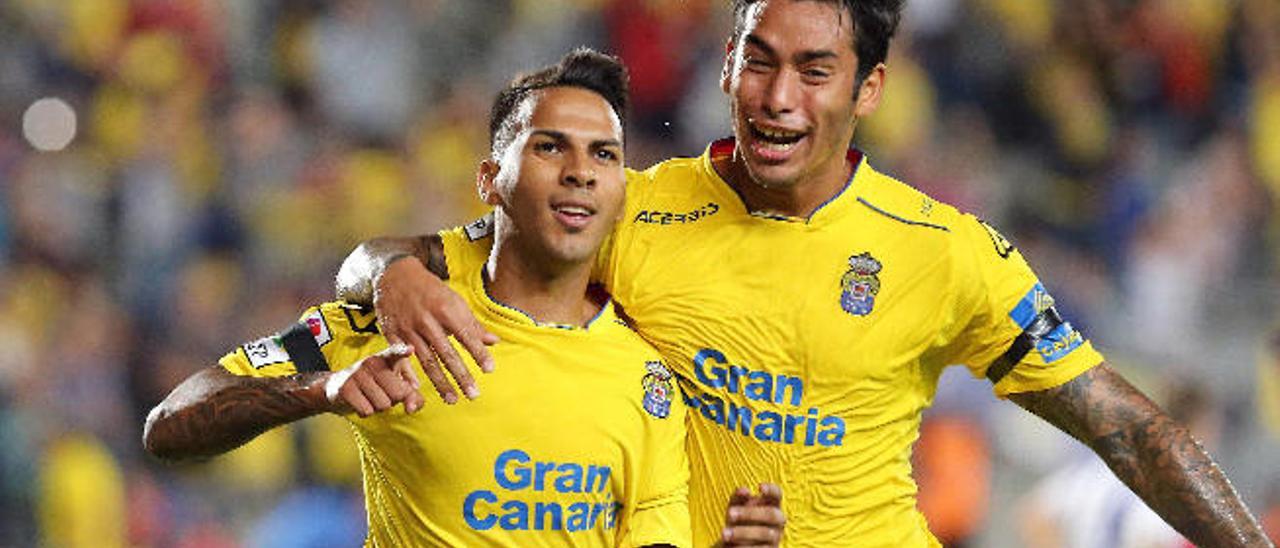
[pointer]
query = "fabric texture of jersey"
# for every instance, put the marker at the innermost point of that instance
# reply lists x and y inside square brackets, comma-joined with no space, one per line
[807,348]
[577,440]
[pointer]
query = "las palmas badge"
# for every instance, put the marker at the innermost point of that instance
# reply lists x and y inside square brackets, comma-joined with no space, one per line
[859,285]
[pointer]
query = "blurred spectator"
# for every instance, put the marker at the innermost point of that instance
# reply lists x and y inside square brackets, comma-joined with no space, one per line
[1083,505]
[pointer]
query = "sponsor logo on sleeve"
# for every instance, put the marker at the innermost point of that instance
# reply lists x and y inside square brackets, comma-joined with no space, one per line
[479,228]
[319,328]
[1052,337]
[265,351]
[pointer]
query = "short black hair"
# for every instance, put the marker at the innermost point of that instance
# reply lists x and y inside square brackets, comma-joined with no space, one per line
[874,24]
[582,68]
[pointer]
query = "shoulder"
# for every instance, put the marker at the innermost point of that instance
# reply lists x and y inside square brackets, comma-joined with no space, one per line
[340,319]
[907,206]
[671,177]
[466,248]
[903,203]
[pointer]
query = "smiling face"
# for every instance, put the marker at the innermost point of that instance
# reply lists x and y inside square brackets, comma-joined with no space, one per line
[791,75]
[558,187]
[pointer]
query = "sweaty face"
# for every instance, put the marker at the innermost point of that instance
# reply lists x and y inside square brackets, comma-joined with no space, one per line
[791,77]
[560,183]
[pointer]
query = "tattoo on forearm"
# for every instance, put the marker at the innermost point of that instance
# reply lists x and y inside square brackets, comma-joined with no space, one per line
[1151,453]
[215,411]
[354,282]
[431,253]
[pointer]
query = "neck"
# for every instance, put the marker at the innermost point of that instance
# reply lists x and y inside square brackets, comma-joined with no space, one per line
[549,293]
[799,199]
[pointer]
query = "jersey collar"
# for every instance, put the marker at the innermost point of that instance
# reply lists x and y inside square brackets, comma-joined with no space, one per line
[511,314]
[828,209]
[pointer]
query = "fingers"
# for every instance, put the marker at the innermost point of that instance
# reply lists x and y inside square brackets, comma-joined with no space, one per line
[377,383]
[414,400]
[475,339]
[439,341]
[419,309]
[431,368]
[770,494]
[739,497]
[754,520]
[369,387]
[771,516]
[350,396]
[751,536]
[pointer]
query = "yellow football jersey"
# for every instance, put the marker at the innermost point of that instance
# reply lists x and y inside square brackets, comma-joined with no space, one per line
[577,439]
[808,348]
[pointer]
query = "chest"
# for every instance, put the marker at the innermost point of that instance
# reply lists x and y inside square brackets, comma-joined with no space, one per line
[837,309]
[549,423]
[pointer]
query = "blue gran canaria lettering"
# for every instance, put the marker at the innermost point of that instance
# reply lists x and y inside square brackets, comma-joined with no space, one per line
[713,371]
[515,472]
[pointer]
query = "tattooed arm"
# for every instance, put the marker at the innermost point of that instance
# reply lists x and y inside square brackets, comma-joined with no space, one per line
[1156,457]
[415,307]
[215,411]
[357,278]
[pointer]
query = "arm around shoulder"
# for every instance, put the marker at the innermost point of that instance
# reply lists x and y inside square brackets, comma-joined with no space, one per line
[360,271]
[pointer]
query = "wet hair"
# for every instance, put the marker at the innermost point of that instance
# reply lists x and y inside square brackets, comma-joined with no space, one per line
[581,68]
[874,24]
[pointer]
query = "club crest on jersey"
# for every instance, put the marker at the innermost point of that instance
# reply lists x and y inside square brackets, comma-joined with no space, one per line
[658,389]
[859,285]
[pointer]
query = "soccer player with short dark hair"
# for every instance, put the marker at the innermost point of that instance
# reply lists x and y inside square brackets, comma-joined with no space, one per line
[809,303]
[582,439]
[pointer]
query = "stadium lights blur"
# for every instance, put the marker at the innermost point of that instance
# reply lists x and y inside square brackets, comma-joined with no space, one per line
[49,124]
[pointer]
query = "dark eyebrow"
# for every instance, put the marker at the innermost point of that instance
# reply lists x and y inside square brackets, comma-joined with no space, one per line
[814,55]
[557,135]
[800,58]
[758,42]
[561,136]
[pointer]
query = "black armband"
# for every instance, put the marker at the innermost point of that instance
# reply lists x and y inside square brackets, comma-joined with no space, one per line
[1042,326]
[303,349]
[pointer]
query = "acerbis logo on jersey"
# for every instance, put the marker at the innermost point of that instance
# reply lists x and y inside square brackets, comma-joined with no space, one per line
[671,217]
[657,389]
[859,285]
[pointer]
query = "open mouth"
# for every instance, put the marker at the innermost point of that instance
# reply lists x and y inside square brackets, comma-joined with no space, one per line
[573,215]
[775,141]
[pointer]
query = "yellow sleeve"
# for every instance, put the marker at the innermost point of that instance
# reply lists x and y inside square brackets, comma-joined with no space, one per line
[1014,335]
[661,515]
[604,258]
[328,337]
[466,248]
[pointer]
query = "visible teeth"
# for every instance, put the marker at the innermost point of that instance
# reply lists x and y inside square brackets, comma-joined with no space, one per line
[777,146]
[778,134]
[574,210]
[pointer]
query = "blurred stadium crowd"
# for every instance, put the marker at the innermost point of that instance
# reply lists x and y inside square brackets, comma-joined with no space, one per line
[223,158]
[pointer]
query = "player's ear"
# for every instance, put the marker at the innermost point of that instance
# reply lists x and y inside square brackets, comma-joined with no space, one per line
[726,71]
[487,182]
[869,92]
